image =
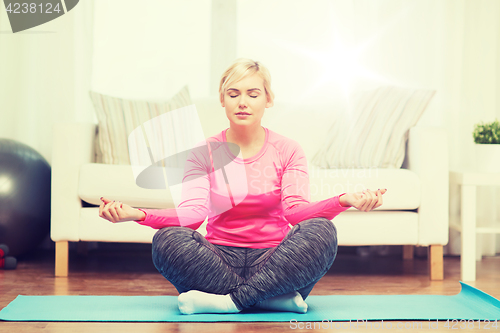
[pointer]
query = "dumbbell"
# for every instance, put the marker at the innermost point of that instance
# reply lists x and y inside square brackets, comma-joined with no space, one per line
[6,262]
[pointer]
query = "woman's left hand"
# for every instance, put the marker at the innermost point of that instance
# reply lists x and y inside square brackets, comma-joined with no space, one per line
[365,200]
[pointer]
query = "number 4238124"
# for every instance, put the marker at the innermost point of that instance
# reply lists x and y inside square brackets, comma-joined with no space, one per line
[14,8]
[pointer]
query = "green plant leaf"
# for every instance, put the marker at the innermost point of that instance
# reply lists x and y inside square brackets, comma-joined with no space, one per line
[487,133]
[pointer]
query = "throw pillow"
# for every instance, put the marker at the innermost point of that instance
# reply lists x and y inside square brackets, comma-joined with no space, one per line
[118,117]
[374,131]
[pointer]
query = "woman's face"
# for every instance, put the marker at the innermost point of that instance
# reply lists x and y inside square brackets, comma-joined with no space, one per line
[245,101]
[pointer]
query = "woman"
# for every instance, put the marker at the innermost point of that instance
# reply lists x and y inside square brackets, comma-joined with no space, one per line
[251,257]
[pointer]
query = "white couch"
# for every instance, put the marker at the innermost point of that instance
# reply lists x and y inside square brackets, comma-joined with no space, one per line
[414,213]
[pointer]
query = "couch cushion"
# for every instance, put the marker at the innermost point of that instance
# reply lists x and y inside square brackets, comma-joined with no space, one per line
[402,227]
[119,117]
[377,228]
[117,182]
[403,186]
[92,228]
[374,131]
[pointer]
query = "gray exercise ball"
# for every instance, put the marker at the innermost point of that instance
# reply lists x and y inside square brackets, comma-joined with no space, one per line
[25,179]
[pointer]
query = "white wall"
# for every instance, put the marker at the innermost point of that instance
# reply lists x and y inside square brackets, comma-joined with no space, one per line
[450,46]
[151,49]
[36,81]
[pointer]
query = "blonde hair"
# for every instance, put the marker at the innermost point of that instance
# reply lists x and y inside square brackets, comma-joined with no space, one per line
[240,69]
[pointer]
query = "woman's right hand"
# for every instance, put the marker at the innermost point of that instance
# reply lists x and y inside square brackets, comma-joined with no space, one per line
[117,211]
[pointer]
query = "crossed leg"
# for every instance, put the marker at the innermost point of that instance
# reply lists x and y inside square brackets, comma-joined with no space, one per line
[209,278]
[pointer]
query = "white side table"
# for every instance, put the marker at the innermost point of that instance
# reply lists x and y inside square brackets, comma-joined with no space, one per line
[468,180]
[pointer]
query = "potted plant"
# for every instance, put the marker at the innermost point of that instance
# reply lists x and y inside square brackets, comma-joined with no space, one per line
[487,139]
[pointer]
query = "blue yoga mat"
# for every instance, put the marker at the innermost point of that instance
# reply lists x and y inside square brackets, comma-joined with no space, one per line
[470,303]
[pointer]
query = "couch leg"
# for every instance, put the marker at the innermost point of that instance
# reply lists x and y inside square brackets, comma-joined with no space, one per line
[435,258]
[61,258]
[407,252]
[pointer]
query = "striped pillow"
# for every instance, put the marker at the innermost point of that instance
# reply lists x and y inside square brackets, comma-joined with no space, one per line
[118,117]
[373,133]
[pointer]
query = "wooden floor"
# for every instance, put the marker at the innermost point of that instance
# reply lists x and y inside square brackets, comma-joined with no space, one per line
[126,269]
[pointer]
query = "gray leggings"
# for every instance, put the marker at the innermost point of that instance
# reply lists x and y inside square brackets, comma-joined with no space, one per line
[186,259]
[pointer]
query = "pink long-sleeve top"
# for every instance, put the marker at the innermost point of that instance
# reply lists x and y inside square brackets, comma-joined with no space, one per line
[249,202]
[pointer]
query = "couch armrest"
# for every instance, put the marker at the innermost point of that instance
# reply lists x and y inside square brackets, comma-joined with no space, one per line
[427,156]
[73,145]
